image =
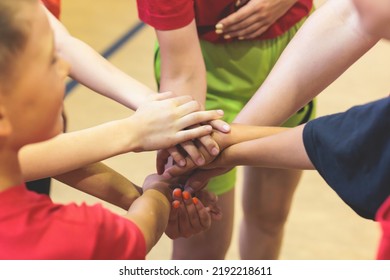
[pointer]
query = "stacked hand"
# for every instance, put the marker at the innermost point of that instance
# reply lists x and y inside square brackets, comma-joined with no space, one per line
[189,214]
[168,120]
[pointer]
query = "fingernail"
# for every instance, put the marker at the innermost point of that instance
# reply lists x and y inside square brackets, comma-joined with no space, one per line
[241,38]
[221,112]
[177,192]
[186,195]
[219,31]
[227,37]
[200,161]
[166,175]
[219,26]
[238,2]
[182,163]
[215,151]
[176,204]
[195,200]
[226,127]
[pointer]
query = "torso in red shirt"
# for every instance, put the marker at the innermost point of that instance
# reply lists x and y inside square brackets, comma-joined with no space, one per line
[33,227]
[168,15]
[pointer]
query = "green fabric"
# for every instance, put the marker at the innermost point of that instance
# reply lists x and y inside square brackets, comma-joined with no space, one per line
[234,73]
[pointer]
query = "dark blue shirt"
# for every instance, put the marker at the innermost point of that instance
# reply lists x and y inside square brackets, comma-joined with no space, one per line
[351,151]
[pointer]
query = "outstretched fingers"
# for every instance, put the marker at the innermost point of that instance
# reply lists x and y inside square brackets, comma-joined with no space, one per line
[192,133]
[198,118]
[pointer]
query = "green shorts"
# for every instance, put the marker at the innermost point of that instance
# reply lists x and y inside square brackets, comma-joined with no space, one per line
[234,73]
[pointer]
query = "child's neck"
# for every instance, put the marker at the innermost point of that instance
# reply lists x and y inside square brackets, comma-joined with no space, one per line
[10,171]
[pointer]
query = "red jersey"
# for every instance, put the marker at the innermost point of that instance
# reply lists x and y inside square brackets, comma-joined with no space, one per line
[383,217]
[168,15]
[33,227]
[54,6]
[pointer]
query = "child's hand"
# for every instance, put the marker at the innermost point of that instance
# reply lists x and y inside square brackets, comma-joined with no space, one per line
[253,18]
[189,215]
[157,182]
[191,150]
[163,122]
[176,170]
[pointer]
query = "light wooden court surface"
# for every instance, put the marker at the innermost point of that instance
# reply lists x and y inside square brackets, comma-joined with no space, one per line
[320,225]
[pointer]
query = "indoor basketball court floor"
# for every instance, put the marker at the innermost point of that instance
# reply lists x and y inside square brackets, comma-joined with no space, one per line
[320,225]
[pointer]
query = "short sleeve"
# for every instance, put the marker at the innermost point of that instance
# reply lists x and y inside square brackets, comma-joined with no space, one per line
[166,15]
[351,151]
[54,6]
[117,238]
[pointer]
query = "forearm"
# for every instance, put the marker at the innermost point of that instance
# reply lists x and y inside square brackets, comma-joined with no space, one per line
[240,133]
[328,43]
[103,77]
[92,70]
[73,150]
[281,150]
[150,213]
[102,182]
[182,66]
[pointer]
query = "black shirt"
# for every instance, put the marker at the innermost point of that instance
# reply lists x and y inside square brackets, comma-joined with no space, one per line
[351,151]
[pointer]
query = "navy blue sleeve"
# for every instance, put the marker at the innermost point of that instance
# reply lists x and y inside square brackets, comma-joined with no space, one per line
[351,151]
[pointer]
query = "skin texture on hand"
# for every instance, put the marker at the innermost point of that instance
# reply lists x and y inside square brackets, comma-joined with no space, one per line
[197,150]
[166,120]
[253,18]
[191,214]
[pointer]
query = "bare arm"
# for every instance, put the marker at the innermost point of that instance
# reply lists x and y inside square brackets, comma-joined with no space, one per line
[157,124]
[92,70]
[182,67]
[101,181]
[330,41]
[239,133]
[280,150]
[183,72]
[271,147]
[150,212]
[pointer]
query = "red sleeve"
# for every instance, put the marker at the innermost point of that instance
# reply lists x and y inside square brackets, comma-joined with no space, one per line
[166,15]
[117,238]
[93,232]
[54,6]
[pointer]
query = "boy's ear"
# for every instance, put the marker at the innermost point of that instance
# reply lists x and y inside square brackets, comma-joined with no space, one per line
[5,124]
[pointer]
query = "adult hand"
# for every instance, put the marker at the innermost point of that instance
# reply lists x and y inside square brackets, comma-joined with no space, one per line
[253,18]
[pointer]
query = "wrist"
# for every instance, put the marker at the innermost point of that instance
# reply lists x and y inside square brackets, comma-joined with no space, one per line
[126,135]
[163,188]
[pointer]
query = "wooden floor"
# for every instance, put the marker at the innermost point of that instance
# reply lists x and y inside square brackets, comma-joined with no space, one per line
[320,225]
